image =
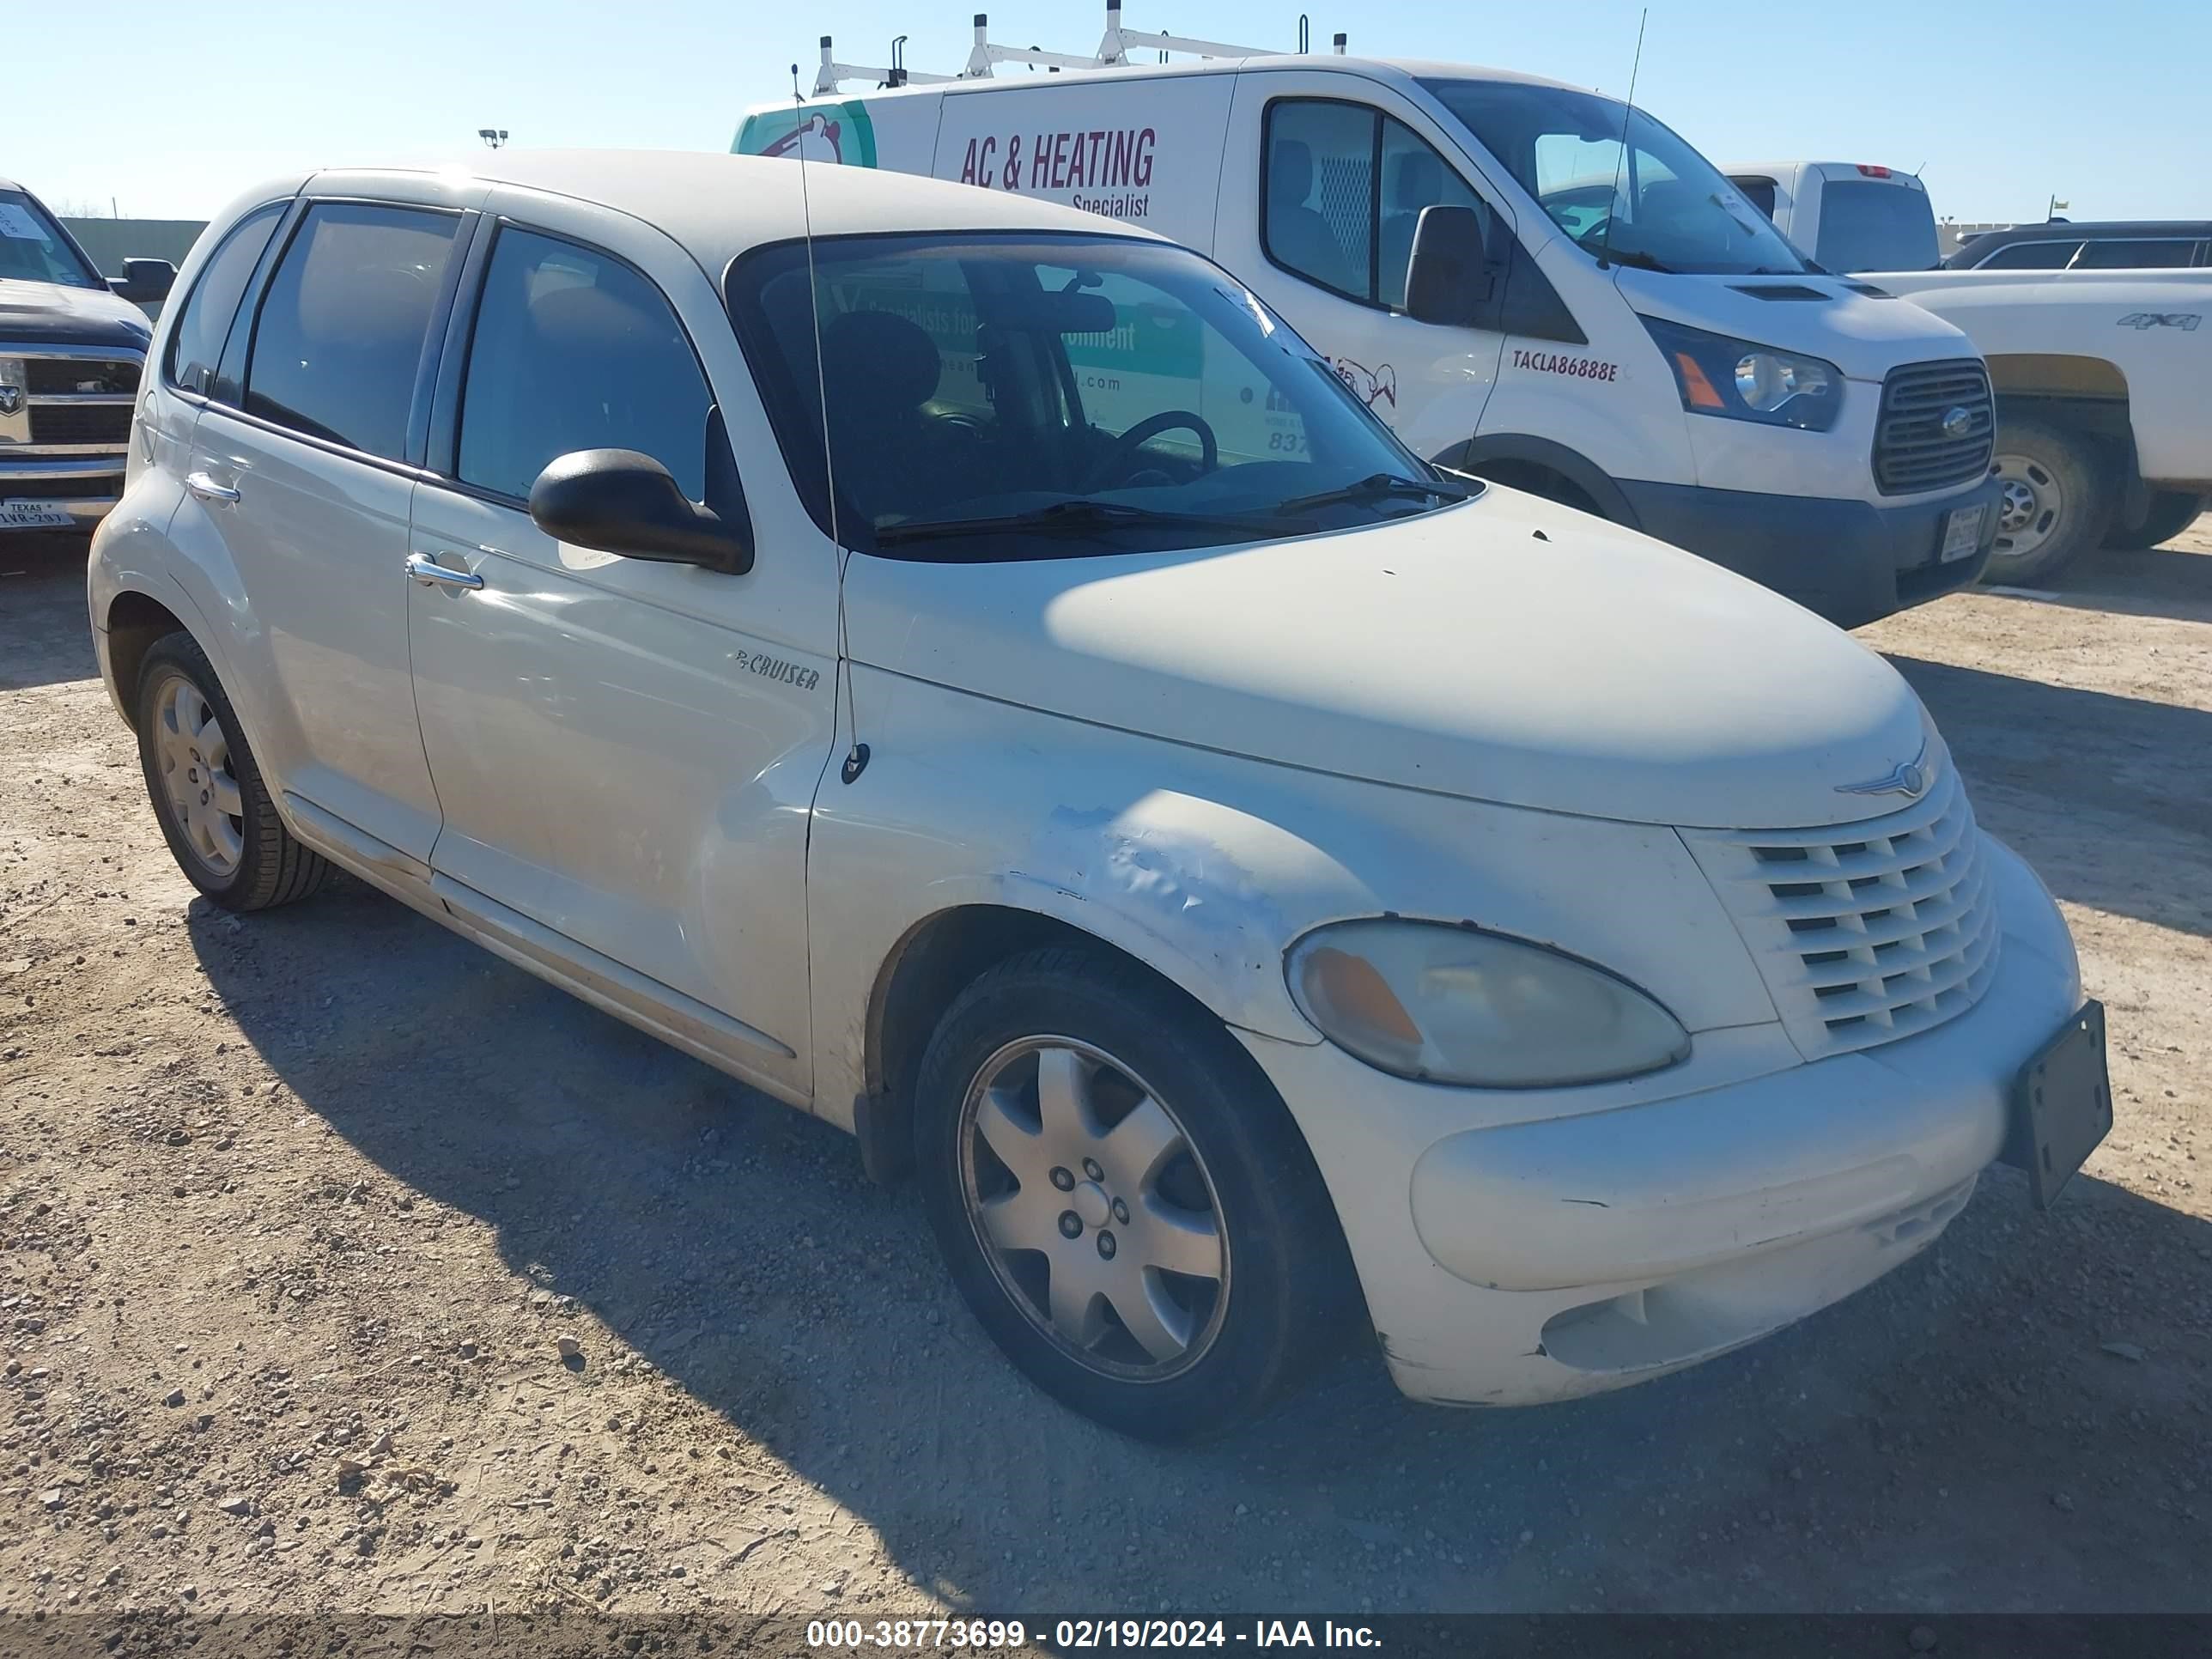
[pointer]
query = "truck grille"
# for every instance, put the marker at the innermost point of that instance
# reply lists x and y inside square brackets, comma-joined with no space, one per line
[80,423]
[52,377]
[1912,450]
[1864,933]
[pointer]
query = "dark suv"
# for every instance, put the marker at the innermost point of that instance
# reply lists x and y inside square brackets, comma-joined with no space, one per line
[2109,245]
[72,347]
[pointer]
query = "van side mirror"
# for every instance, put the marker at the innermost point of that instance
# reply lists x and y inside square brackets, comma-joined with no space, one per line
[144,281]
[1458,262]
[618,501]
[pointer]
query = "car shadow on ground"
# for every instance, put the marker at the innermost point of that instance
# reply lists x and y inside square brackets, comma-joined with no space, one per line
[736,1245]
[42,600]
[2131,781]
[2171,582]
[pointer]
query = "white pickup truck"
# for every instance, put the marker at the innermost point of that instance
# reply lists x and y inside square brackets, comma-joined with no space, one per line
[2103,429]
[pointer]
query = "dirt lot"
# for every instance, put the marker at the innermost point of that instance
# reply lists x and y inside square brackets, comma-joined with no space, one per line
[293,1212]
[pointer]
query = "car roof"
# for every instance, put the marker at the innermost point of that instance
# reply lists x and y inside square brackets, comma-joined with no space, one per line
[2060,230]
[719,206]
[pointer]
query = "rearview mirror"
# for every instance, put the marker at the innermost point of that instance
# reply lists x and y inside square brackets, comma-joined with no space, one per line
[1458,258]
[144,281]
[1064,311]
[618,501]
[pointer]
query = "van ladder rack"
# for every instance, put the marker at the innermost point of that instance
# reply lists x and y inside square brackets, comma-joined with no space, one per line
[1115,47]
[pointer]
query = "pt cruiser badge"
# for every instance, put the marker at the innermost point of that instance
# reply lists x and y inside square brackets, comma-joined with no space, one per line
[1909,779]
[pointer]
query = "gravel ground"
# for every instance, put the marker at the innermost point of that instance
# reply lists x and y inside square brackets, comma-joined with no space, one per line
[295,1211]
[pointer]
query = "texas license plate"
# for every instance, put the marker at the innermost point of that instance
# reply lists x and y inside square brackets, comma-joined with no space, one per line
[1962,532]
[2062,1105]
[33,516]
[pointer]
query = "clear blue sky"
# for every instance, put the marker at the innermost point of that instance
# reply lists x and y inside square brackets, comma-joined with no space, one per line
[2006,101]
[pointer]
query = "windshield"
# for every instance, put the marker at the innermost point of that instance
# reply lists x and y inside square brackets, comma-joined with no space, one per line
[997,397]
[1866,225]
[1654,202]
[33,248]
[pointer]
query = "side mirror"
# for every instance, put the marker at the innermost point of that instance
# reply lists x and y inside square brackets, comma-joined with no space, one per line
[1459,256]
[144,281]
[618,501]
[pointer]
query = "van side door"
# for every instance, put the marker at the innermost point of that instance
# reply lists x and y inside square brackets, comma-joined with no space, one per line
[626,751]
[1323,180]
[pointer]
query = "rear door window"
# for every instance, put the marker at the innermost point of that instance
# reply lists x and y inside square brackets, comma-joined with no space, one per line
[196,345]
[2150,253]
[2030,256]
[338,346]
[574,350]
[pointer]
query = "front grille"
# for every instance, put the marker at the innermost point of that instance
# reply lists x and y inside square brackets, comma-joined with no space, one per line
[1912,451]
[67,376]
[80,487]
[1864,932]
[80,423]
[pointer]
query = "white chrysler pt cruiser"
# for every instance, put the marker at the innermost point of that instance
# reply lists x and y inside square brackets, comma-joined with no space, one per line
[969,670]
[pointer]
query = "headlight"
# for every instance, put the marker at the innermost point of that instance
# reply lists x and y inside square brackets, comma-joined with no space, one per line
[1451,1005]
[1739,381]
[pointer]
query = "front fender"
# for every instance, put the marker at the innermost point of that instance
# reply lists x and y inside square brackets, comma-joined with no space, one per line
[1206,867]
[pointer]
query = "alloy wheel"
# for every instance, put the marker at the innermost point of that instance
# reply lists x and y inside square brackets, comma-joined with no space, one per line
[1094,1208]
[204,801]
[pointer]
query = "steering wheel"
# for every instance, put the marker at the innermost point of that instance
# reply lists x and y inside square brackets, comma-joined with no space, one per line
[1125,448]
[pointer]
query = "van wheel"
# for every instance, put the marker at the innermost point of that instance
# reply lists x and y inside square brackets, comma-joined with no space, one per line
[1122,1197]
[208,795]
[2056,501]
[2168,514]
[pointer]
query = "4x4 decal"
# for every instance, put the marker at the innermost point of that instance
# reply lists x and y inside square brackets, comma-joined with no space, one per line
[2185,320]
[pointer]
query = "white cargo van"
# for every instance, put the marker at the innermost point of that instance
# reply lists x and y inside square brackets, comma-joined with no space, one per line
[1613,327]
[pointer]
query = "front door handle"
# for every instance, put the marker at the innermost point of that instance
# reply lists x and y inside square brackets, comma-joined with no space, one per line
[208,489]
[425,569]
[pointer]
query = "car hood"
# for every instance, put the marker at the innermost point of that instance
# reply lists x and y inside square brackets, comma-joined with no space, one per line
[46,314]
[1504,650]
[1864,336]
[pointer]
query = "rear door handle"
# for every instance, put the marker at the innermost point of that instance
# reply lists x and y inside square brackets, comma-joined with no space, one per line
[208,489]
[425,569]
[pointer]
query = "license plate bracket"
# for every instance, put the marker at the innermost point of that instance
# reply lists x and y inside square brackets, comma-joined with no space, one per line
[1962,533]
[2062,1106]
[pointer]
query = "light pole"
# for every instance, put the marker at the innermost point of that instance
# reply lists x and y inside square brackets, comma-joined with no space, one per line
[493,137]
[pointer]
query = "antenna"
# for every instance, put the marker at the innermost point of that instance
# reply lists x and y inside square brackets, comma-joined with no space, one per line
[1628,109]
[856,758]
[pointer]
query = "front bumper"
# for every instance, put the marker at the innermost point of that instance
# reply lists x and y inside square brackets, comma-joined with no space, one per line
[84,489]
[1513,1263]
[1853,562]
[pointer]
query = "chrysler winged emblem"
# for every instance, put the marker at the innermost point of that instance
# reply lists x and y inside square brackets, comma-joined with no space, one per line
[1909,779]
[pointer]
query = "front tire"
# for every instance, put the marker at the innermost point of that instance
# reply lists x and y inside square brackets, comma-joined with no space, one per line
[2057,501]
[2167,514]
[207,790]
[1121,1197]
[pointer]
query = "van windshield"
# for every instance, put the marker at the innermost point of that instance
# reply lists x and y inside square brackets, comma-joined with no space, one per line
[1654,202]
[33,248]
[1002,397]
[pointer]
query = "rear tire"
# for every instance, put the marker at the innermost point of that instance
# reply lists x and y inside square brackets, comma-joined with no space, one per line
[2167,514]
[2057,501]
[1136,1133]
[207,790]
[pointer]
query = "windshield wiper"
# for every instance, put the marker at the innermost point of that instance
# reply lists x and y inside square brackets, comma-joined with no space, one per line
[1080,516]
[1635,257]
[1378,486]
